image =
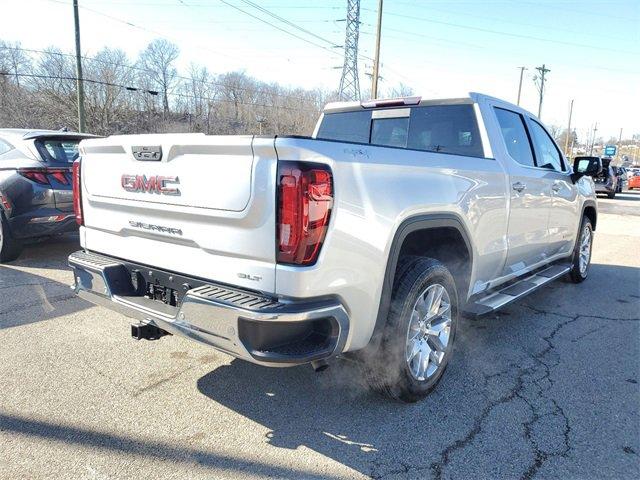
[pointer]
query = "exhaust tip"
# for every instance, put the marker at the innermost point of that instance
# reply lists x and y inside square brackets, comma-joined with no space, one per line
[319,365]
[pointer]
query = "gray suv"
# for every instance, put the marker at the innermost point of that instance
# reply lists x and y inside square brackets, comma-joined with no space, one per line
[36,198]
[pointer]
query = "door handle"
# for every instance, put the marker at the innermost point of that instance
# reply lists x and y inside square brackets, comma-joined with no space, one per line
[518,186]
[556,186]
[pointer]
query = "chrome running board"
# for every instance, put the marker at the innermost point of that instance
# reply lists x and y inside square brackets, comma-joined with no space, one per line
[499,298]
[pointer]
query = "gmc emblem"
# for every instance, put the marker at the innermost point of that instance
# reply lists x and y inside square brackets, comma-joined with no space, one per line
[153,184]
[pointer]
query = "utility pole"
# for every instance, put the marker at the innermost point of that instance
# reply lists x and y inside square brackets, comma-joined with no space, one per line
[349,82]
[593,138]
[376,60]
[618,146]
[522,69]
[573,139]
[80,86]
[566,142]
[543,71]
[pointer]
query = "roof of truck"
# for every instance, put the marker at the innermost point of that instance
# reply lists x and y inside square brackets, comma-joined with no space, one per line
[393,102]
[469,98]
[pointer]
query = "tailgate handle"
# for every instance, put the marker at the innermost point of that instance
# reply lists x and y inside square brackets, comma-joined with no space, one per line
[147,153]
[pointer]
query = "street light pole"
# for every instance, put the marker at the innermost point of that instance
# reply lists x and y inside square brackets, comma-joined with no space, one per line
[79,85]
[376,60]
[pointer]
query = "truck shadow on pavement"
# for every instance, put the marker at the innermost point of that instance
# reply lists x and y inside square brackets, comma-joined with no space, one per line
[27,297]
[159,451]
[498,394]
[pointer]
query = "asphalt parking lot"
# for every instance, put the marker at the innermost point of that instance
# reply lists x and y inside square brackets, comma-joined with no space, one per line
[548,388]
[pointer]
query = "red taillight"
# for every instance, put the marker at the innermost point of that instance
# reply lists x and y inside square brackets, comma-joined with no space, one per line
[77,193]
[305,198]
[40,175]
[35,175]
[60,176]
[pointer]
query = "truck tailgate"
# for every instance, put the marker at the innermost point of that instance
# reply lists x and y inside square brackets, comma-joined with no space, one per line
[188,203]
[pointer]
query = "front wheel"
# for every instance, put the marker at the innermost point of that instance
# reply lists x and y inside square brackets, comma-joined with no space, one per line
[581,260]
[418,339]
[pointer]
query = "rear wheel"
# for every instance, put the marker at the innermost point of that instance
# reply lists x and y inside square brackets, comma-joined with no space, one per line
[581,259]
[10,248]
[418,339]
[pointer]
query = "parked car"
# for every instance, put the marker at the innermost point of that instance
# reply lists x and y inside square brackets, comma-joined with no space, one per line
[634,178]
[369,238]
[607,180]
[36,198]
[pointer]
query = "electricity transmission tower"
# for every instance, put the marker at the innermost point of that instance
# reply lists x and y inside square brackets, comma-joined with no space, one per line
[349,83]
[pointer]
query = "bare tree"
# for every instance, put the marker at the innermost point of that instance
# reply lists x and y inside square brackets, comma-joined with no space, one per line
[400,90]
[158,60]
[39,91]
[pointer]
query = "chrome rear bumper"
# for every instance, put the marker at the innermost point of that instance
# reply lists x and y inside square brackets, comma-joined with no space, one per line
[248,325]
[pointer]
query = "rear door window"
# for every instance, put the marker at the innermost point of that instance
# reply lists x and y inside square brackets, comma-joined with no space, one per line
[346,126]
[60,151]
[445,129]
[515,136]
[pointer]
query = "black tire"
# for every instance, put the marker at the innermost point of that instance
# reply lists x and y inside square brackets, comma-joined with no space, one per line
[611,195]
[576,275]
[10,248]
[387,369]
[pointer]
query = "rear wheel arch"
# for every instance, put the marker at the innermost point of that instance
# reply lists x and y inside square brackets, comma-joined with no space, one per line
[440,236]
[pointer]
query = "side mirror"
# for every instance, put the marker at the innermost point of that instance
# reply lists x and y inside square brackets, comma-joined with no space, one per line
[586,166]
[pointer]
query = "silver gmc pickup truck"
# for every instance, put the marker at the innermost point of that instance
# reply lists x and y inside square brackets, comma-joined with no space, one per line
[368,239]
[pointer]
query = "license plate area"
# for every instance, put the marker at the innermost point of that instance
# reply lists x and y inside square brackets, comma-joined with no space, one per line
[163,294]
[160,286]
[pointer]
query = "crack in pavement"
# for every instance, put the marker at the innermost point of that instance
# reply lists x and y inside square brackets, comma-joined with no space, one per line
[519,391]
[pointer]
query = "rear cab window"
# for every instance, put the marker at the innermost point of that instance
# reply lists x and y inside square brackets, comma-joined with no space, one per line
[346,126]
[61,151]
[444,128]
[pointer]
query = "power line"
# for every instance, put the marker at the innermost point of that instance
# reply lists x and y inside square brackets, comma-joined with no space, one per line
[287,22]
[499,32]
[151,92]
[133,25]
[134,67]
[75,79]
[235,7]
[467,13]
[483,47]
[226,3]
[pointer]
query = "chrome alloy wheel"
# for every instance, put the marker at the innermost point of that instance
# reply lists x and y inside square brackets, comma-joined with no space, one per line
[585,249]
[429,331]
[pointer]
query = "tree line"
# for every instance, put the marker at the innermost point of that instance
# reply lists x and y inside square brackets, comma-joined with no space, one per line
[146,95]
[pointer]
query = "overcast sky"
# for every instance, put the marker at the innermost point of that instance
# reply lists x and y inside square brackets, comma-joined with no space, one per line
[439,48]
